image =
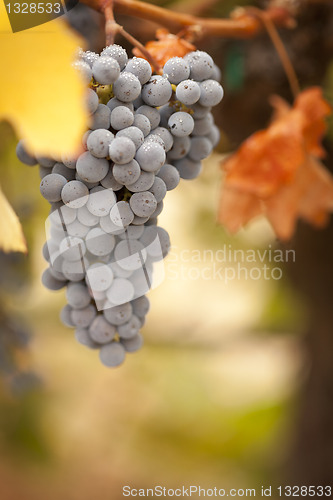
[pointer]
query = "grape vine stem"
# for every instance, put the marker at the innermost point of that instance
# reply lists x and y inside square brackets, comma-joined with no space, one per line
[241,24]
[112,28]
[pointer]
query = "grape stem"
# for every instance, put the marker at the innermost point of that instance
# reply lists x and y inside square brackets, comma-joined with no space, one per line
[112,28]
[150,58]
[241,24]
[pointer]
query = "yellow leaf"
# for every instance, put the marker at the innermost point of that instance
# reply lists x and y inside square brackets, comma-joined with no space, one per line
[40,93]
[11,234]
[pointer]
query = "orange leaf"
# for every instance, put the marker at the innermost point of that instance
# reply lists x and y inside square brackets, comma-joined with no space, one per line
[237,209]
[165,47]
[280,107]
[314,110]
[267,159]
[310,197]
[276,171]
[318,199]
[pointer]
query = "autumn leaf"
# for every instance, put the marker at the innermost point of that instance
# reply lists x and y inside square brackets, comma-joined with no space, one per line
[40,93]
[266,160]
[314,109]
[167,46]
[309,196]
[277,172]
[11,234]
[237,209]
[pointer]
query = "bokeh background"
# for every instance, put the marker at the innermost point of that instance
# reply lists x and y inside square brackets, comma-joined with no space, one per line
[234,385]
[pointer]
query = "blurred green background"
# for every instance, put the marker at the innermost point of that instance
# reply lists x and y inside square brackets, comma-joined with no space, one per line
[218,394]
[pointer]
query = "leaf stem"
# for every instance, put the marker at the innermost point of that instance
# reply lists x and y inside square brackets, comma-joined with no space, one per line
[280,49]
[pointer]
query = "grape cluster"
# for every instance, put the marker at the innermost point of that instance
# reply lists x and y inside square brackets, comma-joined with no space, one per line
[146,132]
